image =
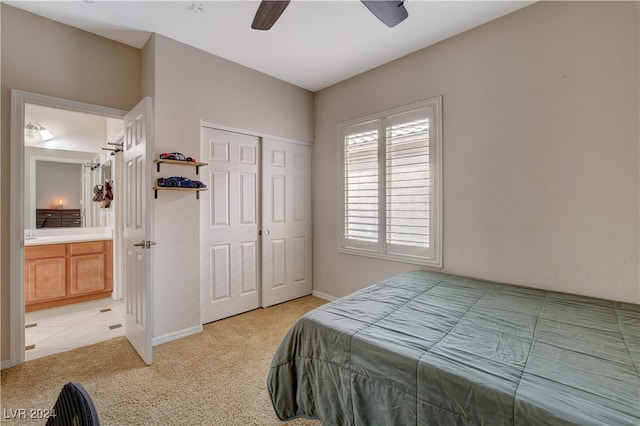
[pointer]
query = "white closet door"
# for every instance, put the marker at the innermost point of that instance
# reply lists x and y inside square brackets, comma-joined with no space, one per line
[286,221]
[229,247]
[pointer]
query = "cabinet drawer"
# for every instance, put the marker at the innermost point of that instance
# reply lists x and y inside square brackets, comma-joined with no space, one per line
[70,223]
[39,252]
[70,214]
[47,214]
[86,248]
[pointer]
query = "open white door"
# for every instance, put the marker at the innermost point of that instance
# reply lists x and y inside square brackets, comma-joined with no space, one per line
[138,279]
[286,221]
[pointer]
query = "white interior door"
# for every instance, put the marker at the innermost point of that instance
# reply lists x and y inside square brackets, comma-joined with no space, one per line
[286,221]
[229,220]
[138,229]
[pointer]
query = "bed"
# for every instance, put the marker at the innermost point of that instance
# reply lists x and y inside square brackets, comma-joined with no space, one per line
[430,348]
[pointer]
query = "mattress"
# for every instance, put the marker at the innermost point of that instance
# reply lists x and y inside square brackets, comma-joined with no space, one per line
[430,348]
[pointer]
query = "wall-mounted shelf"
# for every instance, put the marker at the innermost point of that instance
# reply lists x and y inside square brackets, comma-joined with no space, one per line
[171,188]
[179,163]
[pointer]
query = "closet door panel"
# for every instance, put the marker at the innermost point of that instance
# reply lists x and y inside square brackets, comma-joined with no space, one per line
[249,267]
[286,237]
[229,264]
[220,266]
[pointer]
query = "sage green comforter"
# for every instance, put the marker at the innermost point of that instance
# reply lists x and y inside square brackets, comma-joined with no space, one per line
[429,348]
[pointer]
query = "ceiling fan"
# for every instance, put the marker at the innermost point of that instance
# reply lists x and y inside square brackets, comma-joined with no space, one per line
[391,13]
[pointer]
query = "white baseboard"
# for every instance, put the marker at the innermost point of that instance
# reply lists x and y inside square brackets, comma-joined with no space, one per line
[7,363]
[176,335]
[323,295]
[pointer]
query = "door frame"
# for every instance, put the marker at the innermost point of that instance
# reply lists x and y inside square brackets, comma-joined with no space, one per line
[16,214]
[263,135]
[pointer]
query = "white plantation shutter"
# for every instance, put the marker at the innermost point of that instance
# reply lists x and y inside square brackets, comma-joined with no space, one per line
[390,203]
[408,185]
[361,188]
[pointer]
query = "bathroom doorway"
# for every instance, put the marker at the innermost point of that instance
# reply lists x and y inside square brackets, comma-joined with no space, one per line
[89,140]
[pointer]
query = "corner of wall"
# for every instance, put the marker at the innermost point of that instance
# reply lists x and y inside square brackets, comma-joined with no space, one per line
[148,67]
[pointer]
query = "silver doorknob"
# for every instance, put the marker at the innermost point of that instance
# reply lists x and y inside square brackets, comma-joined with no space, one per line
[145,244]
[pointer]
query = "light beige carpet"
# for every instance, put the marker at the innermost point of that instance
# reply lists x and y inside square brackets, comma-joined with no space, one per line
[217,377]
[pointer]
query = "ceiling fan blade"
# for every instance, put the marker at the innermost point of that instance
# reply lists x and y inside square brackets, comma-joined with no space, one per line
[268,13]
[391,13]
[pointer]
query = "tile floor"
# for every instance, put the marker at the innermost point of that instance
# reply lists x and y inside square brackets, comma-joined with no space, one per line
[49,331]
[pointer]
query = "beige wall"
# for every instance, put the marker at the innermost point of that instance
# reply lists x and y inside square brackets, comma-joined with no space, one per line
[190,86]
[45,57]
[540,151]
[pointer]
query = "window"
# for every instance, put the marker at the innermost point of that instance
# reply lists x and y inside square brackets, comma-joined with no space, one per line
[391,168]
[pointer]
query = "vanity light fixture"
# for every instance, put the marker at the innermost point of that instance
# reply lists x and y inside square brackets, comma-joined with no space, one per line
[45,134]
[35,131]
[30,131]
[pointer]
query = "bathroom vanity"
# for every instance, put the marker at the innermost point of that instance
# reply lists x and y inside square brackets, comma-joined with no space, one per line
[67,269]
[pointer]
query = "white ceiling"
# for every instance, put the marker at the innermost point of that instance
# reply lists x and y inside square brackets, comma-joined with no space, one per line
[313,45]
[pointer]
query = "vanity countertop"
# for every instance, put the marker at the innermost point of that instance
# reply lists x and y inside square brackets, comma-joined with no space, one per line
[73,237]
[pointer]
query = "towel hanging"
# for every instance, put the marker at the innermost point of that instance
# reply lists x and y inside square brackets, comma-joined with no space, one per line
[98,192]
[108,190]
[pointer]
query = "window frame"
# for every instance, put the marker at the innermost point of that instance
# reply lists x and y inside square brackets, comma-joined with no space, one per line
[427,257]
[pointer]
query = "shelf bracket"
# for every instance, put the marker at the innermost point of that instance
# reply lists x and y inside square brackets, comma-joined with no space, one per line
[156,189]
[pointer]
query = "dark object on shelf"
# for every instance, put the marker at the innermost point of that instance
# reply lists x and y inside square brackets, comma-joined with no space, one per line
[74,406]
[194,163]
[179,182]
[176,156]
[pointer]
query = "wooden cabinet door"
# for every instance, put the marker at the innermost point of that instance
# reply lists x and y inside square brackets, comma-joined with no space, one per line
[87,273]
[45,279]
